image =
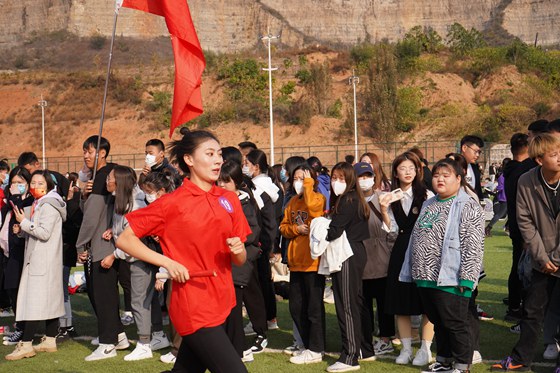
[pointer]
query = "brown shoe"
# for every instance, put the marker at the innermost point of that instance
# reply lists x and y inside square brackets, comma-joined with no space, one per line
[48,344]
[22,350]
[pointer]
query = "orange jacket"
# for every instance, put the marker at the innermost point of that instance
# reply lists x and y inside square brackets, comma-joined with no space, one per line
[308,205]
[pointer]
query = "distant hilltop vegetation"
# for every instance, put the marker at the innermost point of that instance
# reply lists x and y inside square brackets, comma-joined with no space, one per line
[235,25]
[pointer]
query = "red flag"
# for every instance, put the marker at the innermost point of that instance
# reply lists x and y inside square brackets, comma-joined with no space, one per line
[189,59]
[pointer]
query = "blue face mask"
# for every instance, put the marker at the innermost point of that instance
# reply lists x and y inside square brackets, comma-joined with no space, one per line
[21,188]
[6,181]
[283,175]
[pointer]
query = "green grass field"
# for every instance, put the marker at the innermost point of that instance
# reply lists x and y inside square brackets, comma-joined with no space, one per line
[496,340]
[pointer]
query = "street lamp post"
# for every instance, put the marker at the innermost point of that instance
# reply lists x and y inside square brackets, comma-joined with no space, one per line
[355,80]
[43,105]
[270,69]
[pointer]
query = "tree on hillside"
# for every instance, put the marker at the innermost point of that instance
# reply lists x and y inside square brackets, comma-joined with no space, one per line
[461,41]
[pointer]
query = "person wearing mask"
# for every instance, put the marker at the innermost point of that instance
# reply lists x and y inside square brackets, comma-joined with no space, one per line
[200,302]
[13,246]
[443,259]
[382,183]
[306,285]
[40,296]
[374,281]
[266,194]
[349,214]
[538,211]
[231,178]
[97,206]
[155,158]
[399,216]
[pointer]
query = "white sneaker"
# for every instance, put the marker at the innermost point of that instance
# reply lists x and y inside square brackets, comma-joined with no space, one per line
[168,358]
[476,358]
[341,367]
[422,358]
[6,312]
[104,351]
[95,341]
[159,341]
[307,357]
[551,352]
[272,324]
[328,295]
[122,343]
[404,357]
[127,318]
[141,352]
[247,356]
[248,329]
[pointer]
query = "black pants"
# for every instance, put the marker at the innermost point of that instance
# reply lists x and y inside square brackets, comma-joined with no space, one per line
[515,285]
[267,286]
[104,291]
[537,297]
[31,327]
[208,348]
[474,322]
[375,289]
[124,280]
[13,293]
[348,297]
[500,212]
[255,305]
[234,323]
[448,312]
[4,296]
[307,308]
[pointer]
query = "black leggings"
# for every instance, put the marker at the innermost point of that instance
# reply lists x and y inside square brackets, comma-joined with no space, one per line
[31,327]
[198,352]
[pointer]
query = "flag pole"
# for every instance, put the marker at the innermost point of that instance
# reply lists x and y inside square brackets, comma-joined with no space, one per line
[96,161]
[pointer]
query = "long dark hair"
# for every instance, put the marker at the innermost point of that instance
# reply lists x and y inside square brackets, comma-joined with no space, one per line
[418,187]
[351,181]
[187,146]
[125,180]
[164,179]
[231,171]
[258,158]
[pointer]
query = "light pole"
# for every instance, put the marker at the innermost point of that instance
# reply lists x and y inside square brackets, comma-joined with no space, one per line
[270,69]
[355,80]
[43,105]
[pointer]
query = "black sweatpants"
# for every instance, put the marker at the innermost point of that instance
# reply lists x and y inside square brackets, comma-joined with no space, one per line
[267,285]
[515,285]
[234,323]
[448,312]
[474,322]
[348,298]
[535,305]
[307,308]
[255,305]
[104,291]
[31,327]
[375,289]
[208,348]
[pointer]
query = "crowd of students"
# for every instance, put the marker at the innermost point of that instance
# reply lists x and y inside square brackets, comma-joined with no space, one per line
[198,236]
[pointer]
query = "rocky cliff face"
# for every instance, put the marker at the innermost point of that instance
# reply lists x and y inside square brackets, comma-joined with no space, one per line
[234,25]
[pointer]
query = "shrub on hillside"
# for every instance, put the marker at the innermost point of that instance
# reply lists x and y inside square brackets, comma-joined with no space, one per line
[462,41]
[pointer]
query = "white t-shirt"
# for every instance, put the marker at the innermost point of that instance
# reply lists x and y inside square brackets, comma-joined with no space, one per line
[470,176]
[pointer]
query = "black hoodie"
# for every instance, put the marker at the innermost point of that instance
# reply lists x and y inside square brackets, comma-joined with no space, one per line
[512,172]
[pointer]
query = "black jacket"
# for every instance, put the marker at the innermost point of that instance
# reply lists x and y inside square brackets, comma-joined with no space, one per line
[71,230]
[347,218]
[242,274]
[512,172]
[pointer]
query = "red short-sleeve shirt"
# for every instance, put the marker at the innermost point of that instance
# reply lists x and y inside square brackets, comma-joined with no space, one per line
[193,226]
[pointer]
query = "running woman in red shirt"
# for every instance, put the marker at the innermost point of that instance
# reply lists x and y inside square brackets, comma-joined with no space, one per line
[201,227]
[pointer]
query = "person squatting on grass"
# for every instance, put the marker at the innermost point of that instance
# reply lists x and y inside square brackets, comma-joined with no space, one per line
[306,285]
[443,259]
[538,218]
[40,296]
[199,305]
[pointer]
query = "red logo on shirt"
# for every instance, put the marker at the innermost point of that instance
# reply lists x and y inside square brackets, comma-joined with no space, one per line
[225,204]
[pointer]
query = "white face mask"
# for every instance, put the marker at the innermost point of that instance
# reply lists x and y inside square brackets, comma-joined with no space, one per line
[247,171]
[338,187]
[298,186]
[84,177]
[151,197]
[150,160]
[366,184]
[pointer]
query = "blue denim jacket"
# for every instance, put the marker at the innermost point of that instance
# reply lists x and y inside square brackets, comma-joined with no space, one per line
[450,252]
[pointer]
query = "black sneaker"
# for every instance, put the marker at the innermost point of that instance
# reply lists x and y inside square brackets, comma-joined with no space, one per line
[439,367]
[65,333]
[14,338]
[514,315]
[516,329]
[259,345]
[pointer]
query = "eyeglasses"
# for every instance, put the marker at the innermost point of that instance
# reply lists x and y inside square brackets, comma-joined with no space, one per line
[477,152]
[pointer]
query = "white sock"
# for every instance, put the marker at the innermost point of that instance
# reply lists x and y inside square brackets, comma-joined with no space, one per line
[406,344]
[426,345]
